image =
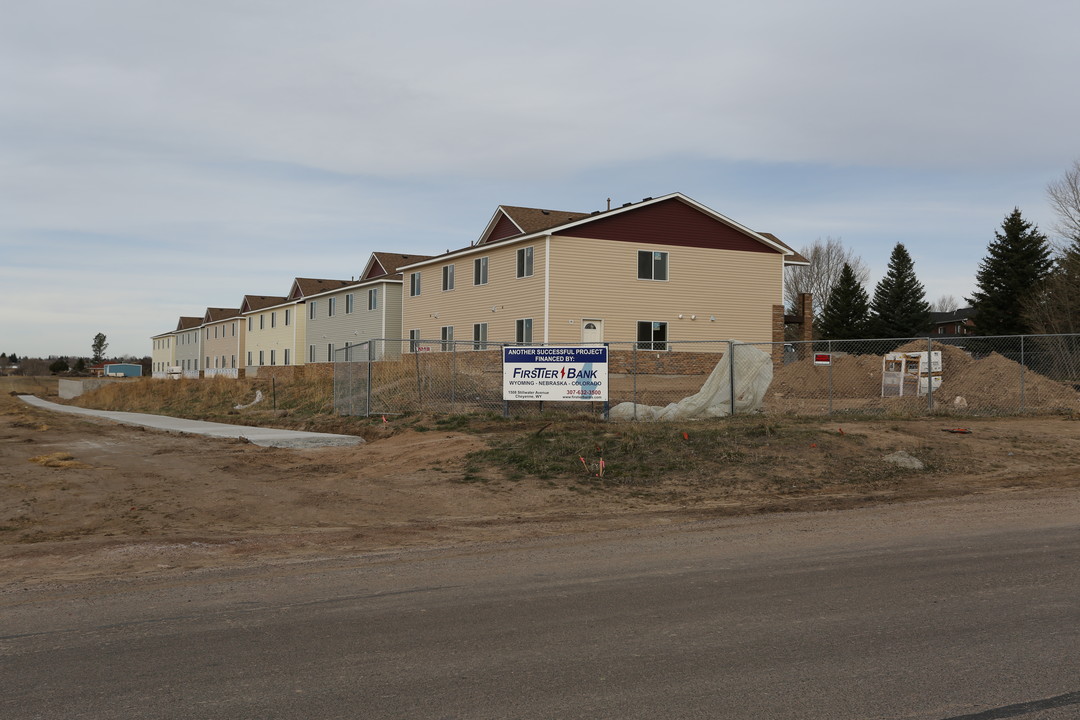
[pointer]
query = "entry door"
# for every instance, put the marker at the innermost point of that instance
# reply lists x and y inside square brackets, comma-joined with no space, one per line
[592,331]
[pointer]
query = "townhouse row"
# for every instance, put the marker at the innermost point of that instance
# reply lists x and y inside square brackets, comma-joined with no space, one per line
[655,272]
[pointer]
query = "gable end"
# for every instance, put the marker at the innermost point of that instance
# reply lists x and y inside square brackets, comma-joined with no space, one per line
[669,222]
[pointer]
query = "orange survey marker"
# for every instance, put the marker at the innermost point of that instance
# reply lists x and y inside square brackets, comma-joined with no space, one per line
[958,431]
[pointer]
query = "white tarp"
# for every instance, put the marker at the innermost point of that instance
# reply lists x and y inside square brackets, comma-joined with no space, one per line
[753,375]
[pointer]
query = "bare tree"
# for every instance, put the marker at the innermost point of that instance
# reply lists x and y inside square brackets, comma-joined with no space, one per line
[1064,197]
[946,303]
[827,258]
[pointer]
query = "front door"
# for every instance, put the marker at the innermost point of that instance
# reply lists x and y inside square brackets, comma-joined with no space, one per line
[592,332]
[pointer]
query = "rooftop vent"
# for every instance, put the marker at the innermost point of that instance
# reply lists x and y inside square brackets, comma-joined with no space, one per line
[627,204]
[646,199]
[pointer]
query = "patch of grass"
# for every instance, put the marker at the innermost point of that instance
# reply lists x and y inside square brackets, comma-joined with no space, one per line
[58,460]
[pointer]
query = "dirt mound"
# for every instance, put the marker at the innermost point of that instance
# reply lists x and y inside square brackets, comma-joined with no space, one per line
[992,382]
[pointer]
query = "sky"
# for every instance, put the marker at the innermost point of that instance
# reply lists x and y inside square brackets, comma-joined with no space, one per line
[159,158]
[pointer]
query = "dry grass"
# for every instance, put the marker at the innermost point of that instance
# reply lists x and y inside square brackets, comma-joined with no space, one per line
[58,460]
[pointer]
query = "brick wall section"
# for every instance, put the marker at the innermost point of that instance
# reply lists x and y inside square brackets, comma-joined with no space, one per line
[778,335]
[806,310]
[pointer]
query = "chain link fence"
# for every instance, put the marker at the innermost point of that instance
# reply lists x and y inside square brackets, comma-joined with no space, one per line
[909,376]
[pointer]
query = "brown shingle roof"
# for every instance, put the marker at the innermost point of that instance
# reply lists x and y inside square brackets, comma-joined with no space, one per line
[187,322]
[532,220]
[314,286]
[258,302]
[390,262]
[794,257]
[216,314]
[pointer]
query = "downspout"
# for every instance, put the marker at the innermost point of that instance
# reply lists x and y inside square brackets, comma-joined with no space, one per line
[547,285]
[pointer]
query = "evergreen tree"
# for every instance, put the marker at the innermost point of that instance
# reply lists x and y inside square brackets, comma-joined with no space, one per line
[846,315]
[899,308]
[1016,261]
[98,347]
[80,365]
[59,366]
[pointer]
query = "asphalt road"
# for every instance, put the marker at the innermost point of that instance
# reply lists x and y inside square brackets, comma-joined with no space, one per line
[935,610]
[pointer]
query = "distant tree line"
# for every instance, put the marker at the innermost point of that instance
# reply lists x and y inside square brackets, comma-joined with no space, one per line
[1024,284]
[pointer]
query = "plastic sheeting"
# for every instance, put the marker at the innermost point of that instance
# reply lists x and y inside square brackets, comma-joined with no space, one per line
[753,375]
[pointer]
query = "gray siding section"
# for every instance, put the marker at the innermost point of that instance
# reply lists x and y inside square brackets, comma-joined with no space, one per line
[189,349]
[356,327]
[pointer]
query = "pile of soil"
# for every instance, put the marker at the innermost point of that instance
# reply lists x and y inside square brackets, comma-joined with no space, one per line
[992,382]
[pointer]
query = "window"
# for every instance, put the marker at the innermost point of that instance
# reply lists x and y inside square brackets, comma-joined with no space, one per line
[273,357]
[414,284]
[651,265]
[348,352]
[261,362]
[311,353]
[448,277]
[479,336]
[262,321]
[288,316]
[348,303]
[373,299]
[273,322]
[232,361]
[447,338]
[285,358]
[479,271]
[523,331]
[234,327]
[652,335]
[525,262]
[331,307]
[249,327]
[311,310]
[249,357]
[330,352]
[207,362]
[414,340]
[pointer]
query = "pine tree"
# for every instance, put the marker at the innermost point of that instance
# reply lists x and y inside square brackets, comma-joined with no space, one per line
[846,314]
[1016,261]
[899,308]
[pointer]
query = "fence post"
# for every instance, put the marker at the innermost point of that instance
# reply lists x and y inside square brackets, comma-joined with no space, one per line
[731,374]
[453,376]
[634,350]
[419,388]
[1022,368]
[929,375]
[830,377]
[367,398]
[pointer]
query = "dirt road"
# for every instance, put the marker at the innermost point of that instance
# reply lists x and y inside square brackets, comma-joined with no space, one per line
[82,498]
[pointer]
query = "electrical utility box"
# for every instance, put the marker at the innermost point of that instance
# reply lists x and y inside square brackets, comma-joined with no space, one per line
[910,373]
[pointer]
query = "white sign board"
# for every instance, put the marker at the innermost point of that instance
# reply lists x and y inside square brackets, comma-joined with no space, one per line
[555,373]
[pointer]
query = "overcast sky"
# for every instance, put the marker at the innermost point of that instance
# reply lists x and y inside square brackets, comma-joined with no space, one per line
[157,158]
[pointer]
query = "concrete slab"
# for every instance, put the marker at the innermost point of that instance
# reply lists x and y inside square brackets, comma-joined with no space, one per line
[266,437]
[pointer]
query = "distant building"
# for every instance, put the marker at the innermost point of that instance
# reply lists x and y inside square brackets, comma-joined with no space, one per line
[956,323]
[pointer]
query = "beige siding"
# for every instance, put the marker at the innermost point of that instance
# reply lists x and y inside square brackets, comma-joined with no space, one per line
[225,345]
[164,354]
[598,279]
[503,300]
[277,338]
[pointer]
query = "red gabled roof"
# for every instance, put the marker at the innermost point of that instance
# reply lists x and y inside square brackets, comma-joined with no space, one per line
[510,220]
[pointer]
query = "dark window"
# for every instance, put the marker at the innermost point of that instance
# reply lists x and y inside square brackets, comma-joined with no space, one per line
[525,262]
[652,265]
[652,335]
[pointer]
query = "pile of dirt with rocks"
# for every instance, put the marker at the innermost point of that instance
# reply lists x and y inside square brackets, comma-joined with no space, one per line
[990,382]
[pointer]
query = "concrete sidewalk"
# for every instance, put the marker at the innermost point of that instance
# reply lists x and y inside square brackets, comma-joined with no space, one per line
[267,437]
